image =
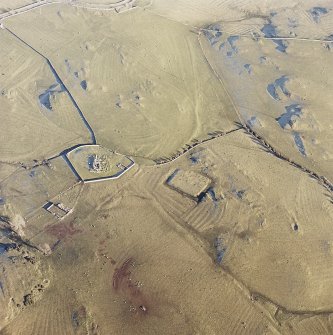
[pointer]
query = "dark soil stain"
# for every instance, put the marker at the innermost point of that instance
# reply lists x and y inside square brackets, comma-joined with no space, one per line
[125,285]
[63,230]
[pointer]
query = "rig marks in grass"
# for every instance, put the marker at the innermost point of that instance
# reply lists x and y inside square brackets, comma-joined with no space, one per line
[62,86]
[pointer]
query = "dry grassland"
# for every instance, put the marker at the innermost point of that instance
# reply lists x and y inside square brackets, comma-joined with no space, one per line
[223,225]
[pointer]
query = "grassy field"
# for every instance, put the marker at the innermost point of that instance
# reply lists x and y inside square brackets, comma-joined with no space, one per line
[224,223]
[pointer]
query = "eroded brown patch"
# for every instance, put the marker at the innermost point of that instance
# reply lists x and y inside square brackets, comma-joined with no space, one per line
[124,284]
[63,230]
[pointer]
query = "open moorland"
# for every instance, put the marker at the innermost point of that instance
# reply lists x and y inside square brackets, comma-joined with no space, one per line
[166,167]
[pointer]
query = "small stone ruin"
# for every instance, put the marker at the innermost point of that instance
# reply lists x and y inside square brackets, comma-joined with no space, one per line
[98,163]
